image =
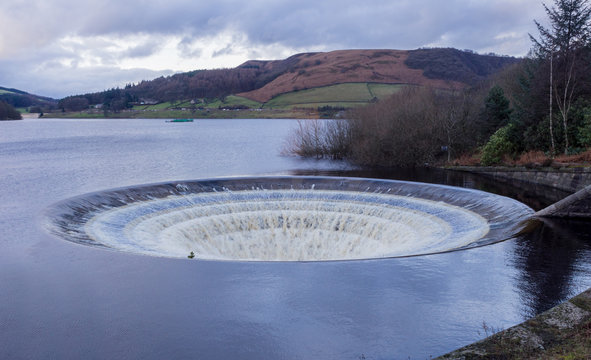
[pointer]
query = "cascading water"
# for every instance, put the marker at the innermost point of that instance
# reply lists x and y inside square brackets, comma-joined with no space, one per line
[288,219]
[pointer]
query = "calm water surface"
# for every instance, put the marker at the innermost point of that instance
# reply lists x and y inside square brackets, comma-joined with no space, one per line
[67,301]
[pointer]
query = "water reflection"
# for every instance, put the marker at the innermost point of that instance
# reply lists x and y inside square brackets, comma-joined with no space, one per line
[65,301]
[548,259]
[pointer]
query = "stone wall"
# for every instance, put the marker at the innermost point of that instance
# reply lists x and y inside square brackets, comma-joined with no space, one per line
[568,179]
[575,180]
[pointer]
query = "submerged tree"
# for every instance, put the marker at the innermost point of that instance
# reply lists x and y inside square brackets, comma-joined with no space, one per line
[565,46]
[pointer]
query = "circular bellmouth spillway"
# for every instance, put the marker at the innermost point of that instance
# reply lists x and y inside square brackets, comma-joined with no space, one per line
[288,219]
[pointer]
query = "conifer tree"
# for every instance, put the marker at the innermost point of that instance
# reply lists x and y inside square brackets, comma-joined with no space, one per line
[497,111]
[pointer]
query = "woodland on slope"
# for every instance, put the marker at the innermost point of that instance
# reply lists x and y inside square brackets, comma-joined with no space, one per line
[14,98]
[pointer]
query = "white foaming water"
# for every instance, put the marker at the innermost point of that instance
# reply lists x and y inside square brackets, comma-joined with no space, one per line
[287,225]
[288,219]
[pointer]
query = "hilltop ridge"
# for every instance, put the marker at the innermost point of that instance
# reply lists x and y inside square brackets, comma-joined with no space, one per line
[332,80]
[262,80]
[311,70]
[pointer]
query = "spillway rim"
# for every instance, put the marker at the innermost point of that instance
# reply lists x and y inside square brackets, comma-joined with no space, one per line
[64,209]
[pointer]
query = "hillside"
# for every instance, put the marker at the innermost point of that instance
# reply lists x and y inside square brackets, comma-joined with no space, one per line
[290,83]
[370,66]
[21,99]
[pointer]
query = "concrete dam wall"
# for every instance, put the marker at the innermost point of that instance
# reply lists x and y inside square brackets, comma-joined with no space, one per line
[576,180]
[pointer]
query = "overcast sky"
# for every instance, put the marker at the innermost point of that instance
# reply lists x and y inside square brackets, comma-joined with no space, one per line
[63,47]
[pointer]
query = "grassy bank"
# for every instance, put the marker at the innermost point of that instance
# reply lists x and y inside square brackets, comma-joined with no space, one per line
[323,102]
[192,114]
[342,95]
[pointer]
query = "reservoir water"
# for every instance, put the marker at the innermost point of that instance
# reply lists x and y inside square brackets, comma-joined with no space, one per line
[60,299]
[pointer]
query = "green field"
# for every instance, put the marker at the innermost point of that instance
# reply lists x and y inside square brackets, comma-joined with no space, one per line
[159,106]
[239,100]
[340,95]
[297,104]
[187,114]
[345,105]
[231,100]
[2,91]
[384,90]
[184,104]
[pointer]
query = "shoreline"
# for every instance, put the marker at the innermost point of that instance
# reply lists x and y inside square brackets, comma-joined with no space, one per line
[564,331]
[197,114]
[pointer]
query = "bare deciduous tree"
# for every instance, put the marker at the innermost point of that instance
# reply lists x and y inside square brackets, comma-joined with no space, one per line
[562,44]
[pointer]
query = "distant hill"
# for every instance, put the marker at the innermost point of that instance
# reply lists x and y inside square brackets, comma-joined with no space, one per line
[22,99]
[417,67]
[263,82]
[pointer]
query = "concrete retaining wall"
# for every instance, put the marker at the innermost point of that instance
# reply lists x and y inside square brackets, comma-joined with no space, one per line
[575,180]
[568,179]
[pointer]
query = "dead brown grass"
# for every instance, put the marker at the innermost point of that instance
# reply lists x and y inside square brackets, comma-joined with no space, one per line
[531,159]
[467,160]
[346,66]
[584,157]
[538,158]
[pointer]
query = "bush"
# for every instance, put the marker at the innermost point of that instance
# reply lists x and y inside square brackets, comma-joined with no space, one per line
[497,146]
[411,127]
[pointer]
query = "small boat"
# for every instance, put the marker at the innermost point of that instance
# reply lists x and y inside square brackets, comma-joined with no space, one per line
[180,120]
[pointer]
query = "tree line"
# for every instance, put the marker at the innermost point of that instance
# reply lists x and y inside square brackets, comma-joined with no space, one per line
[115,100]
[199,84]
[21,99]
[542,103]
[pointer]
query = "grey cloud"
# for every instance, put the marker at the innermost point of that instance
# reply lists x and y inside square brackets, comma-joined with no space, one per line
[55,80]
[225,51]
[228,50]
[189,48]
[304,23]
[171,17]
[262,24]
[142,50]
[397,24]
